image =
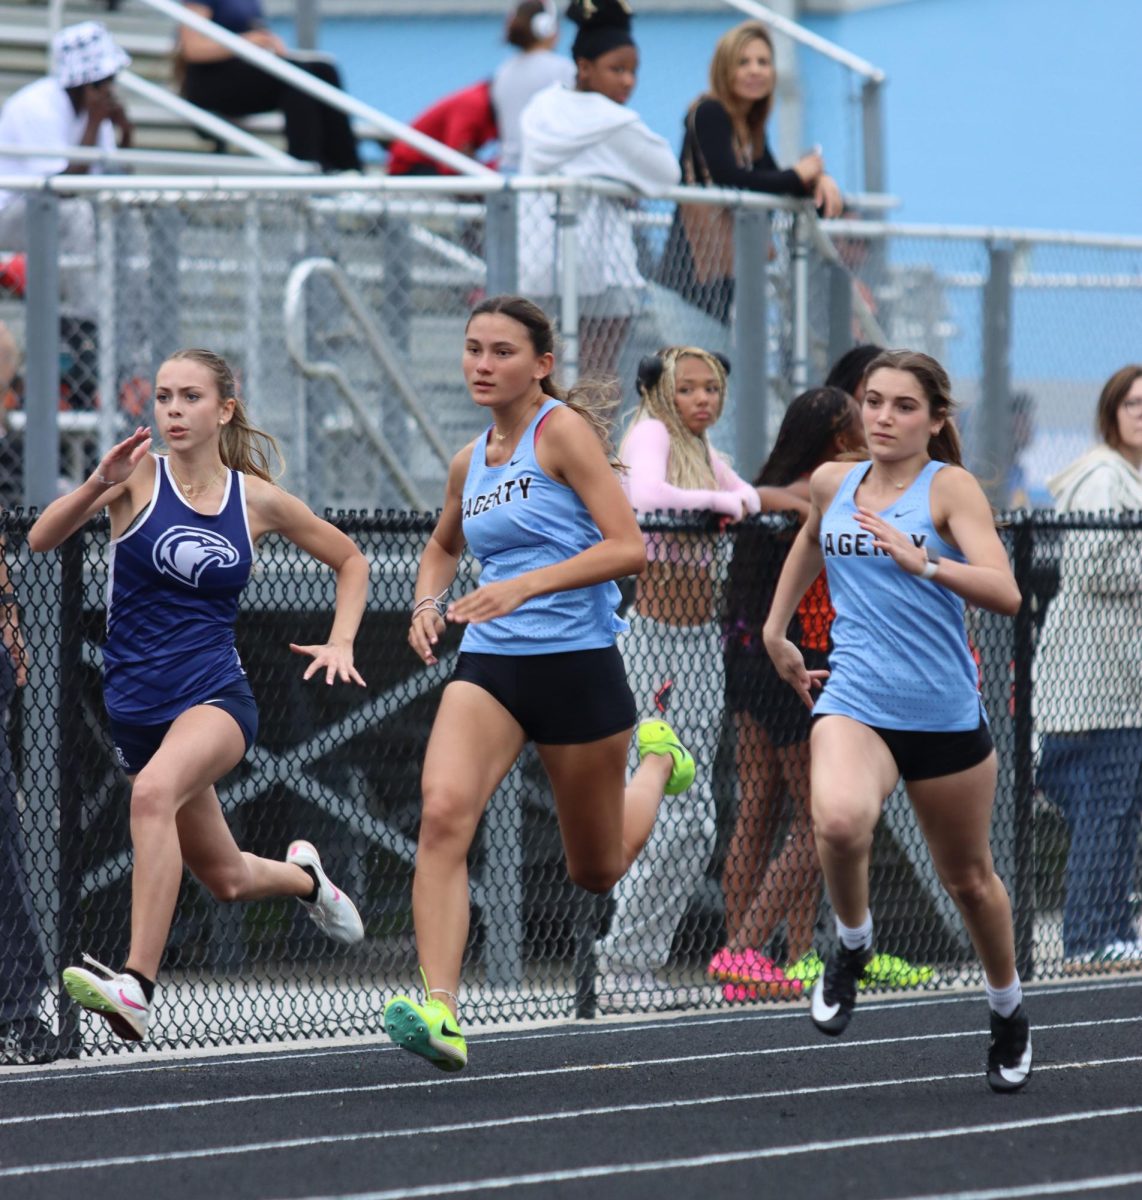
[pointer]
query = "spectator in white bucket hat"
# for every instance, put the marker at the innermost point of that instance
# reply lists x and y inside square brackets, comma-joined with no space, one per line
[86,53]
[75,105]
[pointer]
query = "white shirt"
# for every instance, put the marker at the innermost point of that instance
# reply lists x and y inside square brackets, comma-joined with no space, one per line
[584,135]
[41,114]
[513,85]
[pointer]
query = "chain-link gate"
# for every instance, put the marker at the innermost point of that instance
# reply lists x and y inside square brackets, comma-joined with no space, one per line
[342,769]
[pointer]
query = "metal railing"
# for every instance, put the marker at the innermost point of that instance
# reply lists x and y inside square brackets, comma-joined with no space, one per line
[320,90]
[387,359]
[209,261]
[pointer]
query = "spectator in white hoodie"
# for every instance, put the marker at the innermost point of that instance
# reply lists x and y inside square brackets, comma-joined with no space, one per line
[588,132]
[1088,686]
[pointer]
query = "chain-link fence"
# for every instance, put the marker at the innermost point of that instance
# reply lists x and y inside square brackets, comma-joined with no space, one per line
[730,858]
[343,307]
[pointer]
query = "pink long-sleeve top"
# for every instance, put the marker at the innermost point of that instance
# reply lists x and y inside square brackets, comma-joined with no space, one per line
[646,452]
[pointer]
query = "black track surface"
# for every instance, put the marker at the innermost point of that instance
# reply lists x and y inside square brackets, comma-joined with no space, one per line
[752,1103]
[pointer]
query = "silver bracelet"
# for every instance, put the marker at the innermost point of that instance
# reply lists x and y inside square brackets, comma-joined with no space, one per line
[436,602]
[106,482]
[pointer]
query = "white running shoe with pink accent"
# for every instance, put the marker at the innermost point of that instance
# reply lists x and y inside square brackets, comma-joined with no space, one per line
[118,998]
[332,912]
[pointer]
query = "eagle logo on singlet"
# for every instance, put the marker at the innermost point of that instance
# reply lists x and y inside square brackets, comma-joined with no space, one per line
[184,552]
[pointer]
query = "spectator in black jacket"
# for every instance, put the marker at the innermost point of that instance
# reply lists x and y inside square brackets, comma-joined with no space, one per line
[725,146]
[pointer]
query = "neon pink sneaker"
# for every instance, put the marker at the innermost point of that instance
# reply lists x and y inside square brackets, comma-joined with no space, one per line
[773,989]
[743,966]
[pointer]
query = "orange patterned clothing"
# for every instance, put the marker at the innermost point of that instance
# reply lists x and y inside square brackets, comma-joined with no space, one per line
[815,615]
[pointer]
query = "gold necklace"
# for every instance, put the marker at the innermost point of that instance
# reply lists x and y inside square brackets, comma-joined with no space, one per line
[190,489]
[503,437]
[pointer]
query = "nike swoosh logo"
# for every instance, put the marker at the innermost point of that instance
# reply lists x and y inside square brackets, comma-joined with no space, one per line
[449,1032]
[822,1011]
[129,1003]
[1019,1072]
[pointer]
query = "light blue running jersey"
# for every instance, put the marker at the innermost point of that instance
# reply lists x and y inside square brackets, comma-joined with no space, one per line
[517,519]
[900,657]
[172,599]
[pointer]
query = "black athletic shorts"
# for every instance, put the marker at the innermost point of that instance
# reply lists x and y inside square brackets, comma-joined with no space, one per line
[558,699]
[135,745]
[754,687]
[923,754]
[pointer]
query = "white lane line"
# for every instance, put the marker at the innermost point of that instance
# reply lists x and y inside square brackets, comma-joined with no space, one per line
[663,1021]
[540,1178]
[1068,1187]
[507,1122]
[453,1081]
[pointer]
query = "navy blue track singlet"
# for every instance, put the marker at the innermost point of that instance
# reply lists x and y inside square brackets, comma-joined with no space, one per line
[174,581]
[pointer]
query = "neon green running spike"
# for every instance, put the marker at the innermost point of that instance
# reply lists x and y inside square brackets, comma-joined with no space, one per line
[427,1029]
[890,971]
[807,969]
[656,737]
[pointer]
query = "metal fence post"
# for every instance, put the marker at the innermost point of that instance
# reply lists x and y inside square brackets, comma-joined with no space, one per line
[994,440]
[749,380]
[872,131]
[501,249]
[107,340]
[71,841]
[41,434]
[799,270]
[567,279]
[1024,900]
[306,19]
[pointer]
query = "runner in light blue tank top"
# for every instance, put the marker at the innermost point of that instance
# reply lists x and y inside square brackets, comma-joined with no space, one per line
[538,503]
[517,518]
[914,671]
[907,539]
[181,711]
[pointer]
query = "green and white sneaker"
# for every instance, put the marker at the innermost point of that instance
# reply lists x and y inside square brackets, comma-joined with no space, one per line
[427,1029]
[807,969]
[890,971]
[656,737]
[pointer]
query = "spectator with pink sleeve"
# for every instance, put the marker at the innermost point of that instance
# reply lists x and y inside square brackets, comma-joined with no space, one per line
[674,636]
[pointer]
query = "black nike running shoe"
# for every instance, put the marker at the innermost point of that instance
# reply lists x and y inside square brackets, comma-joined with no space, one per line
[1009,1055]
[834,995]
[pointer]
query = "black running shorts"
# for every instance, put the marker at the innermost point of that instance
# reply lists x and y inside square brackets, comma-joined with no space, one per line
[558,699]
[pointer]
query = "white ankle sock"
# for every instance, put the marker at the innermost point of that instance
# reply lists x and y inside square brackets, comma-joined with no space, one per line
[1007,999]
[855,938]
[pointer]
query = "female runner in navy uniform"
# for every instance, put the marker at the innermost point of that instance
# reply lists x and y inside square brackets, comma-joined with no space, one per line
[183,531]
[906,539]
[541,508]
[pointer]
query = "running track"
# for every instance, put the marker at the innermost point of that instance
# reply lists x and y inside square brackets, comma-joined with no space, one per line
[745,1103]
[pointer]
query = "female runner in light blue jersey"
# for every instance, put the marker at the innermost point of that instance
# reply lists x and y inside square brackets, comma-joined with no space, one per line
[905,539]
[183,531]
[540,506]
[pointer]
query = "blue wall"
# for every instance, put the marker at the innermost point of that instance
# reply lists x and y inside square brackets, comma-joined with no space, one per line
[1019,112]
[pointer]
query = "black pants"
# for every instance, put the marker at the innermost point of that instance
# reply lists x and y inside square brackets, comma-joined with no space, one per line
[314,131]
